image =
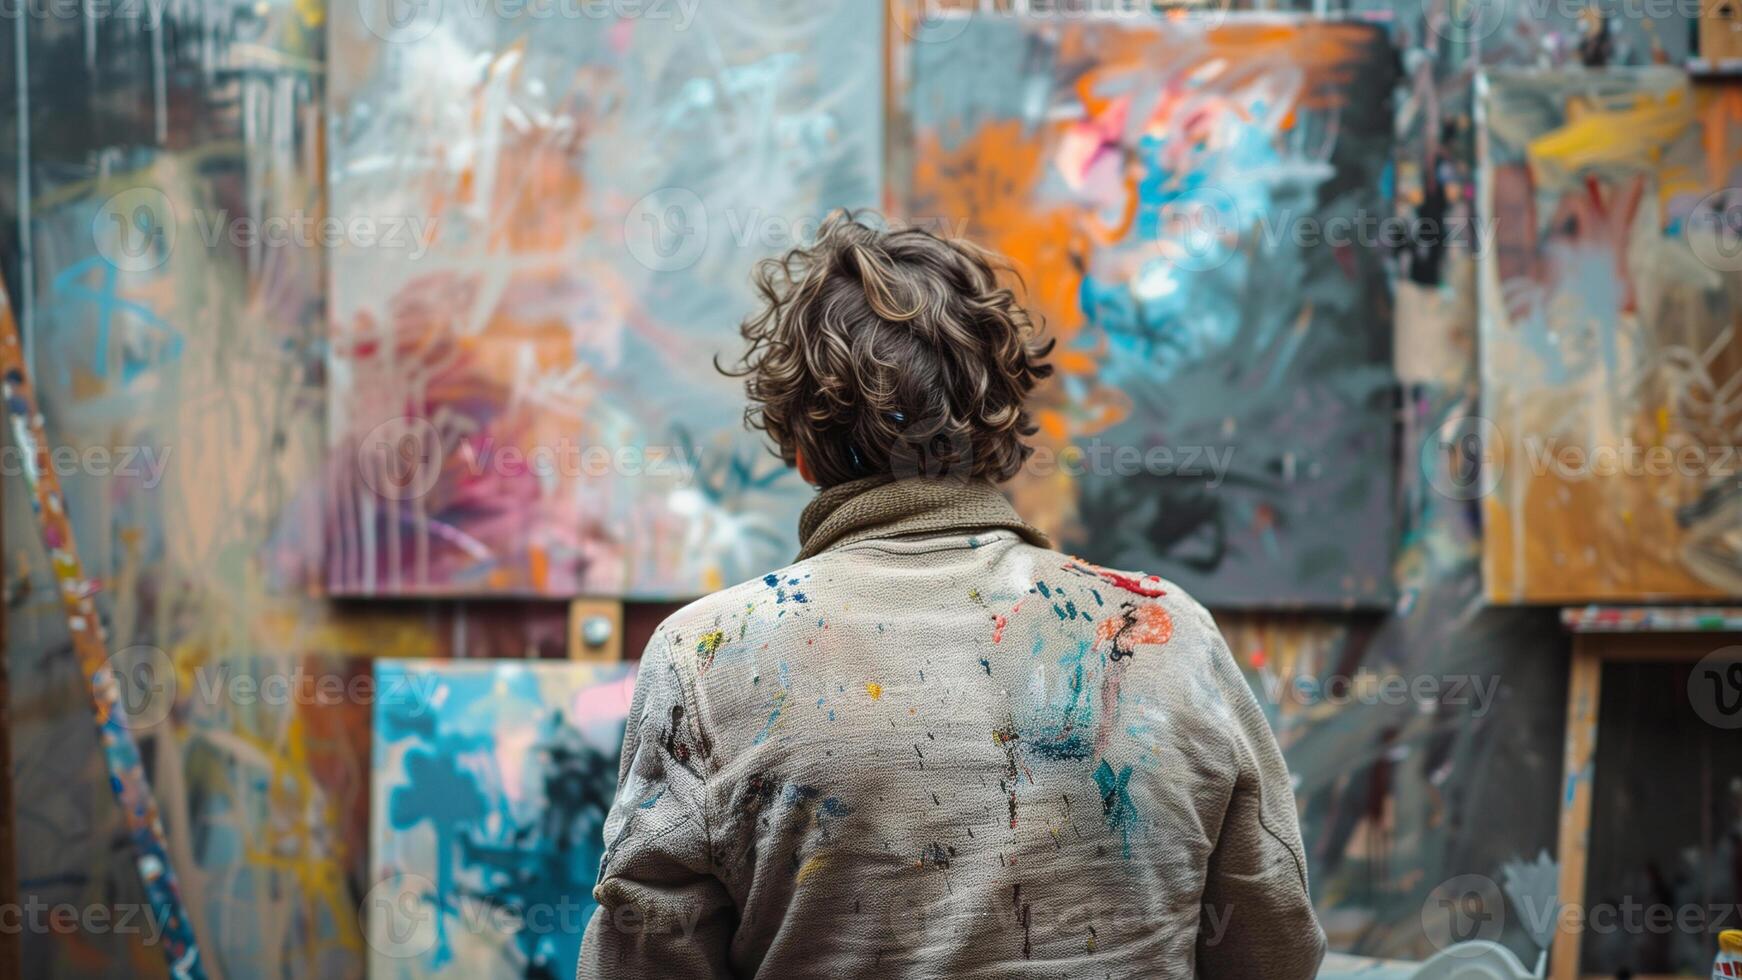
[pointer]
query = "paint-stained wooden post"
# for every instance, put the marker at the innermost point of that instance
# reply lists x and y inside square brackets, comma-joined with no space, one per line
[90,648]
[1584,688]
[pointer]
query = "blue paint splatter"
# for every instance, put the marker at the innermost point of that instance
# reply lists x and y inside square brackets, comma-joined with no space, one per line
[1116,802]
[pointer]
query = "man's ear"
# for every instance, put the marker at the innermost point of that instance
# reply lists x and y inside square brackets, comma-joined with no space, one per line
[804,469]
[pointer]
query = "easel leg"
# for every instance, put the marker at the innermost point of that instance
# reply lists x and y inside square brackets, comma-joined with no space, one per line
[1584,690]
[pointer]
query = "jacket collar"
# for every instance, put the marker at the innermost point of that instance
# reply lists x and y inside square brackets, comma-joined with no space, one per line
[880,507]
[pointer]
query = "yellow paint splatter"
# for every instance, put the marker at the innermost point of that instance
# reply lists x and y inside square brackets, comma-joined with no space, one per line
[816,861]
[1611,133]
[874,689]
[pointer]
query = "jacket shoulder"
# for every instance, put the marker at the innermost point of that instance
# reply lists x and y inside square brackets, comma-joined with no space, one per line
[1124,607]
[707,623]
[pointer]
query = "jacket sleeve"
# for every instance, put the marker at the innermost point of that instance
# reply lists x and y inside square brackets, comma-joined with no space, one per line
[1257,918]
[662,912]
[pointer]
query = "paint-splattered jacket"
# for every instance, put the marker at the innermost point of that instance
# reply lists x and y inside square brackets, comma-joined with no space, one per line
[934,748]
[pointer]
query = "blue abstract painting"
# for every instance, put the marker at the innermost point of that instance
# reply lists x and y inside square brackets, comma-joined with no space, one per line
[491,780]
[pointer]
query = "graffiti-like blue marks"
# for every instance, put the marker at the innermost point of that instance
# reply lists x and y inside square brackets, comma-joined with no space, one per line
[503,839]
[1116,803]
[71,286]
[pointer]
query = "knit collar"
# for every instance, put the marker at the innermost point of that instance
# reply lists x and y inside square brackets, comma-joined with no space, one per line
[880,507]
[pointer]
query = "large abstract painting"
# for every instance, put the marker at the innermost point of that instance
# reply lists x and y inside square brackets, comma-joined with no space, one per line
[546,216]
[1192,205]
[1611,366]
[491,783]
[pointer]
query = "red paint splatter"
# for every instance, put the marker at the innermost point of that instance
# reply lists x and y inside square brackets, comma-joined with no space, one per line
[999,621]
[1148,586]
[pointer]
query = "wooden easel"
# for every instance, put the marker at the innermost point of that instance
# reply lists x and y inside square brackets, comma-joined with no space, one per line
[1605,635]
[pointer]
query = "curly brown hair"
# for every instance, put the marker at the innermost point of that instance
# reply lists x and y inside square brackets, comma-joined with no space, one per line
[881,350]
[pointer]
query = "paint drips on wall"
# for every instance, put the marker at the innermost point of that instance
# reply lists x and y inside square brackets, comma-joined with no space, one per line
[589,192]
